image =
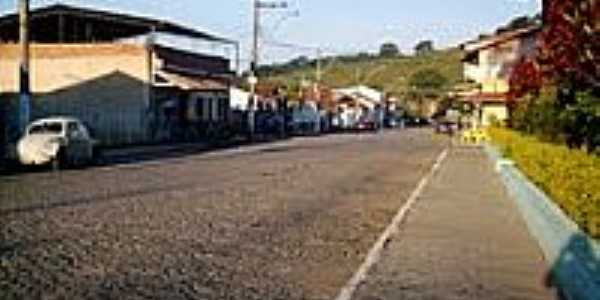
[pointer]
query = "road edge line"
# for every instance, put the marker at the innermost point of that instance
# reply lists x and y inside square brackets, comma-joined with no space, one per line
[347,292]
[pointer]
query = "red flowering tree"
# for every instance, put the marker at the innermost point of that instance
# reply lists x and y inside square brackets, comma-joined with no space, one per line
[526,77]
[569,45]
[567,62]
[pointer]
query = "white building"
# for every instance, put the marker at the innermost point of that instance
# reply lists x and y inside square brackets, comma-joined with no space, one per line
[238,98]
[355,104]
[361,91]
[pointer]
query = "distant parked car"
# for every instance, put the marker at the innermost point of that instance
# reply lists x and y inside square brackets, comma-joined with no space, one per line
[445,127]
[393,121]
[416,121]
[366,124]
[305,120]
[58,141]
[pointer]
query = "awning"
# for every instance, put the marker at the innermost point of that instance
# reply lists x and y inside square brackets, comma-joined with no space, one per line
[191,83]
[486,98]
[81,24]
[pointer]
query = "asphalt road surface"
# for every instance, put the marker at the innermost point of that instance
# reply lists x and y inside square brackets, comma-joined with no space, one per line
[289,220]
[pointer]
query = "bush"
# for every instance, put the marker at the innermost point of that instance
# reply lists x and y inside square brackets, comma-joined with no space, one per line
[572,119]
[570,177]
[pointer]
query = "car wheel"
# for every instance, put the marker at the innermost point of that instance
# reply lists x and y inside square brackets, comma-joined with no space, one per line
[97,157]
[58,162]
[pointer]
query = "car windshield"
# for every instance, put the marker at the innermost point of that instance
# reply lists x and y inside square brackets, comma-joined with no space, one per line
[46,128]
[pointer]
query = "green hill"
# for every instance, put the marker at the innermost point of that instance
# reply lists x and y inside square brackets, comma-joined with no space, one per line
[393,75]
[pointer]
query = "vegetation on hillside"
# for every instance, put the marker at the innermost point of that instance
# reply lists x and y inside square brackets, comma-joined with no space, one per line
[392,74]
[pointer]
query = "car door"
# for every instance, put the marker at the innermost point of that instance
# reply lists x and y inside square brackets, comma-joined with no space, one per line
[78,144]
[88,143]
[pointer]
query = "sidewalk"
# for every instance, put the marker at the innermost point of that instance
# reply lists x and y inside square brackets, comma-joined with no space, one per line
[464,239]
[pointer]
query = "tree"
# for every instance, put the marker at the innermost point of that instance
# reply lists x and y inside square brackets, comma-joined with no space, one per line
[363,55]
[424,47]
[525,78]
[569,55]
[519,23]
[570,41]
[300,61]
[567,72]
[428,80]
[427,86]
[389,50]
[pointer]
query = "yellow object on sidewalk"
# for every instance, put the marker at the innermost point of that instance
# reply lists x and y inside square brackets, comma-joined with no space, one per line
[475,136]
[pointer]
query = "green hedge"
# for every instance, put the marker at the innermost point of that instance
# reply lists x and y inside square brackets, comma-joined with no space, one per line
[570,177]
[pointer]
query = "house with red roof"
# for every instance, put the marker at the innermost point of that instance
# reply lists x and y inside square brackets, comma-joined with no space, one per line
[487,65]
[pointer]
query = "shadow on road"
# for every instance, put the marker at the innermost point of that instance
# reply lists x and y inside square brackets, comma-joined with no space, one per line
[136,155]
[76,199]
[53,196]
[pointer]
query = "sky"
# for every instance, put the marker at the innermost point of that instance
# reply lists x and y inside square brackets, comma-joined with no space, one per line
[335,26]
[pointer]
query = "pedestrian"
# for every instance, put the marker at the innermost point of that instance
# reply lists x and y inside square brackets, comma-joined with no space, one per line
[380,117]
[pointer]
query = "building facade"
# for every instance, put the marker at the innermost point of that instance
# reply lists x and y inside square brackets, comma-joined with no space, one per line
[488,64]
[107,86]
[108,70]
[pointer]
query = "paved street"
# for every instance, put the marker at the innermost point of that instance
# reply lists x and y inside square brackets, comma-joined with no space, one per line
[290,220]
[267,150]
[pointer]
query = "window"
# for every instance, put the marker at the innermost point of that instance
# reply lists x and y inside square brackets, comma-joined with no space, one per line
[223,108]
[206,109]
[73,130]
[209,105]
[215,109]
[200,108]
[72,127]
[46,128]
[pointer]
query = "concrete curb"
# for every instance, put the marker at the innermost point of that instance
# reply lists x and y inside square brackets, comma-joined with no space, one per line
[573,257]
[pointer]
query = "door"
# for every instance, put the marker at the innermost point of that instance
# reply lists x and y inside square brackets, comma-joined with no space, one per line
[78,149]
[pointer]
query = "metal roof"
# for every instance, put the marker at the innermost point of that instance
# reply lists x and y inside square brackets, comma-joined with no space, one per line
[65,23]
[485,97]
[193,83]
[494,40]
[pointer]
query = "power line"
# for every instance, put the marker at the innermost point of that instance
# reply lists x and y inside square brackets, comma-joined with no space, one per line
[291,45]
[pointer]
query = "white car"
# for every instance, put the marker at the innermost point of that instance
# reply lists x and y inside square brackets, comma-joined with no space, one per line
[58,141]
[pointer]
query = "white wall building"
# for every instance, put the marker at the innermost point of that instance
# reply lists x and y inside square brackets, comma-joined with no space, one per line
[238,98]
[356,103]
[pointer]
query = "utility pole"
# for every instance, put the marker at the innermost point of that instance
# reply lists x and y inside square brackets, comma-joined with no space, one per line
[318,95]
[256,32]
[253,79]
[319,73]
[237,58]
[24,88]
